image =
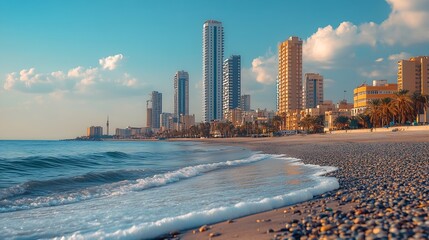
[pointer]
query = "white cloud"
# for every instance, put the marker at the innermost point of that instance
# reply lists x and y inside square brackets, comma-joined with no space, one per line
[110,62]
[58,75]
[26,74]
[379,60]
[75,80]
[11,78]
[399,56]
[128,80]
[373,74]
[407,24]
[265,69]
[328,42]
[75,72]
[29,77]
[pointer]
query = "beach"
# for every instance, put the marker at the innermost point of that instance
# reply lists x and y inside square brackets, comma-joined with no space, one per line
[383,191]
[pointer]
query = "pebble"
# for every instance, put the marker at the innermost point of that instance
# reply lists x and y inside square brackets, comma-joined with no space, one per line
[214,234]
[203,228]
[385,183]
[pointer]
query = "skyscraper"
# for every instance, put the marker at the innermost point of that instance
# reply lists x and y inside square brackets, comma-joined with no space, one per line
[156,99]
[231,83]
[413,75]
[245,102]
[149,113]
[313,90]
[212,70]
[181,94]
[289,81]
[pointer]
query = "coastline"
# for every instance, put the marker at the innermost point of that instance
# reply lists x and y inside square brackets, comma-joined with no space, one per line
[383,188]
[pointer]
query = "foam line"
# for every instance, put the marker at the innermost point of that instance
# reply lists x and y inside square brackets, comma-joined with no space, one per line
[117,188]
[197,218]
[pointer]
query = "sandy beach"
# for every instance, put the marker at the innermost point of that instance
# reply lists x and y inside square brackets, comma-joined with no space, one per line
[384,189]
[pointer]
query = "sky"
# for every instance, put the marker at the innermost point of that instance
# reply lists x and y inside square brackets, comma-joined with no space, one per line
[67,65]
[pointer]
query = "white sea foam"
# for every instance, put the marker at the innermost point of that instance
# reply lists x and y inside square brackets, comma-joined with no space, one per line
[122,187]
[193,219]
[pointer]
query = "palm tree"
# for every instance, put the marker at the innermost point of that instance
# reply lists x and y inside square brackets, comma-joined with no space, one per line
[341,122]
[306,123]
[386,110]
[403,106]
[420,104]
[374,111]
[277,123]
[363,120]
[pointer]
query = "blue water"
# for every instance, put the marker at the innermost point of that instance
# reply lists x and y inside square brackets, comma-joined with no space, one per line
[135,190]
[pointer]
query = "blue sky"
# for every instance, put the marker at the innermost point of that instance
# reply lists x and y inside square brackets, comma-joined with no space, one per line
[66,65]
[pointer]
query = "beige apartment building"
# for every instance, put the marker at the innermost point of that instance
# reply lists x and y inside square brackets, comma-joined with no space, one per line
[413,74]
[312,93]
[289,82]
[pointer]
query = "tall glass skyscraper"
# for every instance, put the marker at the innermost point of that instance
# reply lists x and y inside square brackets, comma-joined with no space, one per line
[231,83]
[181,94]
[212,70]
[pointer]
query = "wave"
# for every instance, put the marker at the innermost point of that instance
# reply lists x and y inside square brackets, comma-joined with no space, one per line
[37,188]
[9,203]
[46,162]
[197,218]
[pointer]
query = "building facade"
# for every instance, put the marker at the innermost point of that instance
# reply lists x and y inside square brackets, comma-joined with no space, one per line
[181,93]
[312,91]
[413,75]
[166,121]
[156,100]
[149,113]
[94,132]
[212,70]
[245,102]
[186,122]
[363,94]
[289,79]
[231,83]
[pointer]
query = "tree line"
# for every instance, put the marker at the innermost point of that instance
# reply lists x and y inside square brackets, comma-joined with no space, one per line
[401,109]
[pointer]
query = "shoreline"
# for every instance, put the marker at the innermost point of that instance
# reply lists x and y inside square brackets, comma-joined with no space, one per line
[372,177]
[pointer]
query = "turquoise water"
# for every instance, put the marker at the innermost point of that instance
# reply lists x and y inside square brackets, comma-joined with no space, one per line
[134,190]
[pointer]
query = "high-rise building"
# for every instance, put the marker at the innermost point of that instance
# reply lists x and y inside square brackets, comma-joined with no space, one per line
[166,121]
[156,99]
[413,75]
[231,83]
[245,102]
[149,113]
[312,91]
[181,94]
[186,121]
[289,80]
[212,70]
[94,132]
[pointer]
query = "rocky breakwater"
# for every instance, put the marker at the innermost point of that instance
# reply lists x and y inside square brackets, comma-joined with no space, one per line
[384,192]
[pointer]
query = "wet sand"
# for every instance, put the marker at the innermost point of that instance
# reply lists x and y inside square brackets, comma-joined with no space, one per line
[384,189]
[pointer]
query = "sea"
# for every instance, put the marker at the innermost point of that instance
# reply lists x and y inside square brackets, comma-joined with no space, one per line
[141,189]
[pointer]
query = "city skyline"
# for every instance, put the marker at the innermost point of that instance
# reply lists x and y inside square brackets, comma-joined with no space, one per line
[64,66]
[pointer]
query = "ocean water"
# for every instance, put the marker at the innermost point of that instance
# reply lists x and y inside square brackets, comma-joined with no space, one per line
[141,190]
